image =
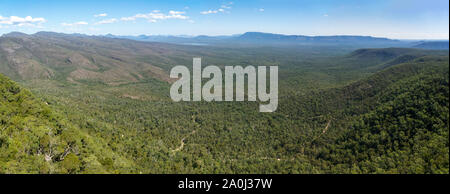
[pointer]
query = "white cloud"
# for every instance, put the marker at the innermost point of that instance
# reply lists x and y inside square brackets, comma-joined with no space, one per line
[128,18]
[325,15]
[74,24]
[209,12]
[101,15]
[175,12]
[19,21]
[223,9]
[156,15]
[261,9]
[107,21]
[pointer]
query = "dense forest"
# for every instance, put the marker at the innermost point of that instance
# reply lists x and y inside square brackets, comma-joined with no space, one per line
[36,139]
[84,106]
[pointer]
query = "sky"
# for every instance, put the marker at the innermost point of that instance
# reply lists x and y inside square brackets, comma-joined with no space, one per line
[398,19]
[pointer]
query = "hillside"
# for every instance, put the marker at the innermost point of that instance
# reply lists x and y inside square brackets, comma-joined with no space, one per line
[363,94]
[435,45]
[406,131]
[76,58]
[35,139]
[389,122]
[376,59]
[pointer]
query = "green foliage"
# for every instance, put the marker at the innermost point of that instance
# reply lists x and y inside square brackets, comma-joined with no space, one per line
[35,139]
[406,133]
[372,111]
[71,164]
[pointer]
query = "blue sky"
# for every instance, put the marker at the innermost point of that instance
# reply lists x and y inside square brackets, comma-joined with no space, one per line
[401,19]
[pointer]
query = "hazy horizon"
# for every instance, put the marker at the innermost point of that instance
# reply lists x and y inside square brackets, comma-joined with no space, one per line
[192,36]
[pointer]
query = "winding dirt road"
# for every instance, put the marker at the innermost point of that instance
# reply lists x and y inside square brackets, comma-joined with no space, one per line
[182,142]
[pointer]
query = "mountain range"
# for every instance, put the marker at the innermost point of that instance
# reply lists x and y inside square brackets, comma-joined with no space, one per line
[270,39]
[435,45]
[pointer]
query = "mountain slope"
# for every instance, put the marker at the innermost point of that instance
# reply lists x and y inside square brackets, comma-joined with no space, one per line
[75,58]
[394,121]
[376,59]
[397,121]
[406,133]
[35,139]
[436,45]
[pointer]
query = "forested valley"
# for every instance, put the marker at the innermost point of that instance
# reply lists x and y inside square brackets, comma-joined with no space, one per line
[81,104]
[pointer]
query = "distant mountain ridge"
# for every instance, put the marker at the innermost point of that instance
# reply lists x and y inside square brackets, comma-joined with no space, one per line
[260,38]
[256,38]
[434,45]
[281,37]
